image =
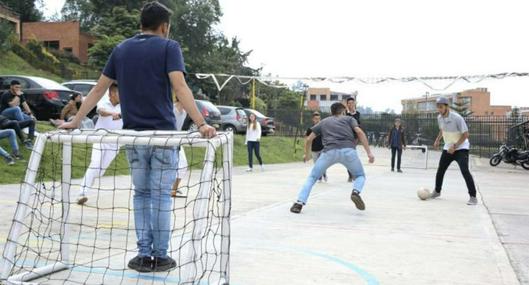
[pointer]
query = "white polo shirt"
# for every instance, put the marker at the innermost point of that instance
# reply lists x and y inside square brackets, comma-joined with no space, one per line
[107,122]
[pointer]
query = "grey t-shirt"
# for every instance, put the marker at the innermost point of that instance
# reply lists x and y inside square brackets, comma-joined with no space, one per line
[453,128]
[337,132]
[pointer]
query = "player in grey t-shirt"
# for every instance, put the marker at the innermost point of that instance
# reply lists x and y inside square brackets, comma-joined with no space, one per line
[339,146]
[454,132]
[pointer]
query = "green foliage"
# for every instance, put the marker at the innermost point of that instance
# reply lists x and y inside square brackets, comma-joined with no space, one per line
[11,63]
[260,105]
[7,36]
[27,9]
[102,49]
[118,22]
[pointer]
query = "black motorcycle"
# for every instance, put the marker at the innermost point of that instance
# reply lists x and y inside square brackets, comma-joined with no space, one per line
[512,156]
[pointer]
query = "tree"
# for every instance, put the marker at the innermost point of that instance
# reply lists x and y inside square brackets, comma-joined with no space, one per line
[6,36]
[27,9]
[462,108]
[102,49]
[119,22]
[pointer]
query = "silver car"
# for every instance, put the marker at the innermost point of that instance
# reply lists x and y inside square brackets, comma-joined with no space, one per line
[234,119]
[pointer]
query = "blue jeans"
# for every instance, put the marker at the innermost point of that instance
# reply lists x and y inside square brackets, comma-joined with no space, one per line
[15,113]
[254,147]
[153,171]
[12,137]
[346,156]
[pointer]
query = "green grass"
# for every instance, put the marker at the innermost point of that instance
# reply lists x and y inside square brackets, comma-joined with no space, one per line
[273,150]
[12,64]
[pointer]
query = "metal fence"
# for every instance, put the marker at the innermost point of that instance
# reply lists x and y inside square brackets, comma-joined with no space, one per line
[487,133]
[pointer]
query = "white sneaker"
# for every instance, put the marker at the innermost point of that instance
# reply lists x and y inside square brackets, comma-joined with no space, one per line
[249,170]
[262,168]
[82,200]
[472,201]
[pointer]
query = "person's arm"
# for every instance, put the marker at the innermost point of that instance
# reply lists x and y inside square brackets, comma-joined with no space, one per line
[14,102]
[438,140]
[185,97]
[258,129]
[363,140]
[26,108]
[89,102]
[104,113]
[403,137]
[308,144]
[65,111]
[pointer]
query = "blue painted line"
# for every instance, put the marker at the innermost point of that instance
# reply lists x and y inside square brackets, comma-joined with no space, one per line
[371,280]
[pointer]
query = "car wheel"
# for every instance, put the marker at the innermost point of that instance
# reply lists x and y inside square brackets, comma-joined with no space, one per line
[525,165]
[229,128]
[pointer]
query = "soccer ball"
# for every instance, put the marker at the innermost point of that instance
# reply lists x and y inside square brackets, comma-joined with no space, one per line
[424,193]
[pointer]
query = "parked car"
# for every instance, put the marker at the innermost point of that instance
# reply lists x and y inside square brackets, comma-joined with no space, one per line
[210,113]
[45,97]
[84,87]
[234,119]
[267,123]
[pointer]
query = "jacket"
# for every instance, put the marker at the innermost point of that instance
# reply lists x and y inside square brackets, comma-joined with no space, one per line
[402,137]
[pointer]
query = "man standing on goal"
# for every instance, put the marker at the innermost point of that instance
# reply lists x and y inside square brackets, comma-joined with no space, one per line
[147,67]
[339,146]
[454,132]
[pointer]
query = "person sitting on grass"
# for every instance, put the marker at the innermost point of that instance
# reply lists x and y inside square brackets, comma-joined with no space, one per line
[70,110]
[11,136]
[339,146]
[17,126]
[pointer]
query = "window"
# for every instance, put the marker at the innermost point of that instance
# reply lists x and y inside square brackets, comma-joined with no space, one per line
[68,49]
[51,44]
[334,97]
[24,83]
[83,88]
[312,97]
[224,111]
[466,100]
[323,97]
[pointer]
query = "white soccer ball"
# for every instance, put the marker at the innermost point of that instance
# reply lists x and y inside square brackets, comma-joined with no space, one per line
[424,193]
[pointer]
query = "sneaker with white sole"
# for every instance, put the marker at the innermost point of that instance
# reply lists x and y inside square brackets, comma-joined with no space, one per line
[249,170]
[472,201]
[435,194]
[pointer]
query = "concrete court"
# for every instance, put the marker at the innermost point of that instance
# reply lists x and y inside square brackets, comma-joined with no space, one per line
[397,240]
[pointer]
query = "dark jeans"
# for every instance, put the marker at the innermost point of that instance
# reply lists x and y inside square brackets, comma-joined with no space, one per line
[398,152]
[19,125]
[461,157]
[254,147]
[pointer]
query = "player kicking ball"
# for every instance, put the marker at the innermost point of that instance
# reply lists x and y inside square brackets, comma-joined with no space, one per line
[339,146]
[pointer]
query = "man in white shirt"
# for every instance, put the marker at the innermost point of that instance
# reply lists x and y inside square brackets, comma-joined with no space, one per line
[103,153]
[454,133]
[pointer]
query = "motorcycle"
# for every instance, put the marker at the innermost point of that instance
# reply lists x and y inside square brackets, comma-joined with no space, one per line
[512,156]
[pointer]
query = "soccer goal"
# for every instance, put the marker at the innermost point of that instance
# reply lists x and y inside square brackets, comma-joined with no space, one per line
[415,156]
[54,240]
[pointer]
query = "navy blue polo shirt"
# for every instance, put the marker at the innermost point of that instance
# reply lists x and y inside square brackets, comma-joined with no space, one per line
[141,65]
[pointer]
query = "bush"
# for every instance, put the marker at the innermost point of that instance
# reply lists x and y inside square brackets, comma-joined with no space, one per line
[65,56]
[7,36]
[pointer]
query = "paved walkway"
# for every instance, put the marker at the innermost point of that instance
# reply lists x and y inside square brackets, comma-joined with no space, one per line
[397,240]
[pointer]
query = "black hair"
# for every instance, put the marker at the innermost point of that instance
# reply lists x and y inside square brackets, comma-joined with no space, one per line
[154,14]
[15,82]
[350,99]
[337,108]
[74,95]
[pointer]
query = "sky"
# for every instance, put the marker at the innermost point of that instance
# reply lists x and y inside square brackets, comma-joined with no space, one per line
[325,38]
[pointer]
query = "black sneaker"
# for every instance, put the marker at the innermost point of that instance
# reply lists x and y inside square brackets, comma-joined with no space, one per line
[28,144]
[355,197]
[399,171]
[9,160]
[141,263]
[392,170]
[160,264]
[296,208]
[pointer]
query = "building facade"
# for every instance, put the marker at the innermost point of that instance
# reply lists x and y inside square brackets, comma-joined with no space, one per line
[321,99]
[65,36]
[11,17]
[476,100]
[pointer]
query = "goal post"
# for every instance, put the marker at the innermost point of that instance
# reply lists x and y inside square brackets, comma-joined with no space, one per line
[50,233]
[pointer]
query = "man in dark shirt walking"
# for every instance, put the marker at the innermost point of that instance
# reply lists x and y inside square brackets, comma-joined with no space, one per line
[317,144]
[147,67]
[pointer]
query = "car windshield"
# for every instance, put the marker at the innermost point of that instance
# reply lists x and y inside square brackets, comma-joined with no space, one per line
[257,113]
[48,84]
